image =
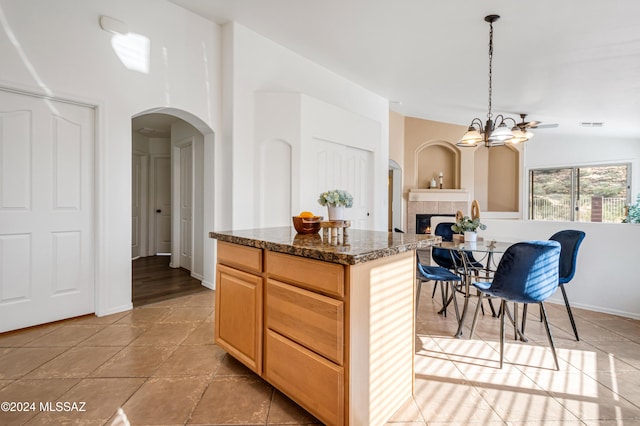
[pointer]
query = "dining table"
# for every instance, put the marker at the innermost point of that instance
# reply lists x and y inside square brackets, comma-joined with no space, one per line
[463,253]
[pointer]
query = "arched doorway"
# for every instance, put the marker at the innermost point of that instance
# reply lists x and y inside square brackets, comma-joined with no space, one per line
[169,194]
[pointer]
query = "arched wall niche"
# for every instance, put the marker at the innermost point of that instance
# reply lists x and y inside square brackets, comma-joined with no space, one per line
[503,179]
[497,178]
[434,157]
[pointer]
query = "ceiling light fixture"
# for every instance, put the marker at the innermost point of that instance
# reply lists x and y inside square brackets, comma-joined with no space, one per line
[493,133]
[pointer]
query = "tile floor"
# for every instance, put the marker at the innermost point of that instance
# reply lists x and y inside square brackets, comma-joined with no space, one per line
[159,363]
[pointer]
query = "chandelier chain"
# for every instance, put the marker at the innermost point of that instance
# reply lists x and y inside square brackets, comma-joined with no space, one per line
[489,115]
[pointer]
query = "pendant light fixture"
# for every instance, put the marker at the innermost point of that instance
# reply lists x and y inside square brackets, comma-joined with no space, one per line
[493,133]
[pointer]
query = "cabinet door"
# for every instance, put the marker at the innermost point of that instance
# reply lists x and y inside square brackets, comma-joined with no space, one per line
[238,328]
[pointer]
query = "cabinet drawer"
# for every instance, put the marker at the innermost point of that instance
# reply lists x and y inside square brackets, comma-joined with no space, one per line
[310,319]
[238,325]
[241,257]
[325,277]
[310,380]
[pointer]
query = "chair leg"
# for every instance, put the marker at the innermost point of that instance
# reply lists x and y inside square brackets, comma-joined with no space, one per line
[475,315]
[435,287]
[443,292]
[418,288]
[549,336]
[515,320]
[524,316]
[503,308]
[493,311]
[455,301]
[540,315]
[566,303]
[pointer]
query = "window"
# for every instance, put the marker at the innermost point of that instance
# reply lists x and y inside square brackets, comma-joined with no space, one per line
[582,194]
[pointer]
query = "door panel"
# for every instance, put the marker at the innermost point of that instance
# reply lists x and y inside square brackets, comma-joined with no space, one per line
[162,197]
[338,166]
[186,205]
[46,210]
[136,206]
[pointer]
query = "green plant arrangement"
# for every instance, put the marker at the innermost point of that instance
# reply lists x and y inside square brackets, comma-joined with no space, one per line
[466,224]
[336,198]
[634,212]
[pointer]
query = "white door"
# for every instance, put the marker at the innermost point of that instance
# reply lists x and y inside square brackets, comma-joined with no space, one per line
[46,210]
[337,166]
[162,203]
[186,206]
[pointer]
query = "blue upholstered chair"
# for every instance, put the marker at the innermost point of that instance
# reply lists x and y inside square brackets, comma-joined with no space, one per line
[570,241]
[527,273]
[439,275]
[443,257]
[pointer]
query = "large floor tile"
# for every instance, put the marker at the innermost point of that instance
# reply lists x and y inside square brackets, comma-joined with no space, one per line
[144,315]
[21,361]
[234,400]
[187,314]
[67,336]
[203,335]
[96,401]
[115,335]
[33,392]
[76,362]
[15,339]
[283,411]
[165,401]
[455,402]
[170,334]
[200,360]
[135,361]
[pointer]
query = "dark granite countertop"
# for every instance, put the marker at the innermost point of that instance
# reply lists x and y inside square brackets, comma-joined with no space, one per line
[359,247]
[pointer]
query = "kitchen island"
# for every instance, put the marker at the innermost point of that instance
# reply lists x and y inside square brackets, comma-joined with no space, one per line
[330,323]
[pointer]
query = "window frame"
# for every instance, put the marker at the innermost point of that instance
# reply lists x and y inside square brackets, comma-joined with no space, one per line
[575,189]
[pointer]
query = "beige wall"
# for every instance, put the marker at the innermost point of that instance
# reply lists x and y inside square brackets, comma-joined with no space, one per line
[421,133]
[492,176]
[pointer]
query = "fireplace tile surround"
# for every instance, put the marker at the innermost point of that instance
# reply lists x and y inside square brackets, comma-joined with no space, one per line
[435,201]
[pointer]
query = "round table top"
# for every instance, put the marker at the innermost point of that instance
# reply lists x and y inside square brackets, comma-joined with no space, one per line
[487,245]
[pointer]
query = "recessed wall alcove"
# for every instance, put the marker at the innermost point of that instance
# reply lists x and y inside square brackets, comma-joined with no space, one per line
[433,158]
[497,178]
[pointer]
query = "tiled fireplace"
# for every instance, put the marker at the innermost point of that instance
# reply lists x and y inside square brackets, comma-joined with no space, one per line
[423,222]
[435,202]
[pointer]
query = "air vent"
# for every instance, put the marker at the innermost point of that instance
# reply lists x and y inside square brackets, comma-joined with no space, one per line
[591,124]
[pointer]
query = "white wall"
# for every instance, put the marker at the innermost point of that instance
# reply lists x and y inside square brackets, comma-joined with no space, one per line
[257,64]
[57,48]
[606,278]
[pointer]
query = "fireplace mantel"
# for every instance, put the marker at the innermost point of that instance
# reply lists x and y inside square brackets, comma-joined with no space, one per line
[439,195]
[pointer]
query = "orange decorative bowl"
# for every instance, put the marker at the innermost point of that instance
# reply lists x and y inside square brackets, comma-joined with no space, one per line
[307,225]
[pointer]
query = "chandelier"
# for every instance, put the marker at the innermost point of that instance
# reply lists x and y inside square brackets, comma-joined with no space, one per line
[493,133]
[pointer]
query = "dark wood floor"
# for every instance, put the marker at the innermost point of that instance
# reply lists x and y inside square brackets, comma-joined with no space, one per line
[154,281]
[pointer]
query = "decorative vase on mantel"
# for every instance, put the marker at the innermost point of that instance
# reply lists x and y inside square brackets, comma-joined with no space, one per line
[470,236]
[336,213]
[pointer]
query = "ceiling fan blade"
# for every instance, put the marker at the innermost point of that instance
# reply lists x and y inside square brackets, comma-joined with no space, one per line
[544,126]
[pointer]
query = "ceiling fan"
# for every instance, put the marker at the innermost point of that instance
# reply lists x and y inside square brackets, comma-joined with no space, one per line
[533,124]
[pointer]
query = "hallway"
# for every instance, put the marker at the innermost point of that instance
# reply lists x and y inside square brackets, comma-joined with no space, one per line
[153,280]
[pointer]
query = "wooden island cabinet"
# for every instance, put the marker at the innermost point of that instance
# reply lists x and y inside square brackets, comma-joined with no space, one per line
[331,325]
